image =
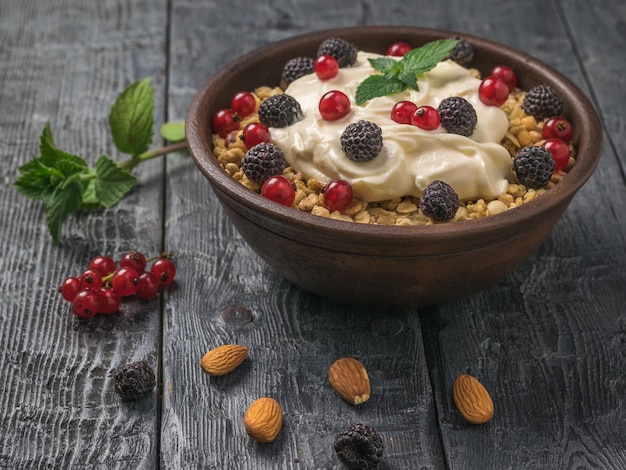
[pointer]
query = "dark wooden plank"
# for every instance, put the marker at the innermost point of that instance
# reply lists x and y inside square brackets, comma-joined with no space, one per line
[65,62]
[548,341]
[293,336]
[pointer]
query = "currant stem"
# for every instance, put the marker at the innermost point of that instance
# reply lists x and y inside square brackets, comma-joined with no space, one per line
[137,159]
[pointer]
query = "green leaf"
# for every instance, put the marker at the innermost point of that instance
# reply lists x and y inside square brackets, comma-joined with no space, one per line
[400,74]
[409,79]
[375,86]
[112,182]
[173,131]
[90,200]
[36,181]
[423,59]
[51,155]
[383,64]
[131,118]
[66,199]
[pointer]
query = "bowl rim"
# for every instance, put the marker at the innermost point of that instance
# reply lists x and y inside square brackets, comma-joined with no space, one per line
[588,148]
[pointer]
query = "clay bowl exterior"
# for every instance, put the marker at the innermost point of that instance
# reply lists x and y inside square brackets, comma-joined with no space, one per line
[388,266]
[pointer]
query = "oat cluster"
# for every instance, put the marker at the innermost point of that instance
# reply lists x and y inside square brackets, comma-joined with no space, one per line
[524,130]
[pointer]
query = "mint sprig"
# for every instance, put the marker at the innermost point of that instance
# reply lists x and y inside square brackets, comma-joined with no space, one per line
[398,75]
[65,182]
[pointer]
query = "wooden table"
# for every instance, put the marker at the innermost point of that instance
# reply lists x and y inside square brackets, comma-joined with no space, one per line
[549,341]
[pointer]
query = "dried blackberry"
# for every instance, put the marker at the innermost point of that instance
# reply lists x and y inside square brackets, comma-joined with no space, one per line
[458,116]
[463,52]
[534,166]
[340,49]
[262,161]
[362,141]
[134,380]
[280,110]
[296,68]
[359,447]
[542,101]
[439,201]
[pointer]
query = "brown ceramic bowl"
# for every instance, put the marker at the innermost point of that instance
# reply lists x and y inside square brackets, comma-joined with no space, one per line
[388,266]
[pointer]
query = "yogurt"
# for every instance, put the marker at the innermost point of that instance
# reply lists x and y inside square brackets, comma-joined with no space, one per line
[476,166]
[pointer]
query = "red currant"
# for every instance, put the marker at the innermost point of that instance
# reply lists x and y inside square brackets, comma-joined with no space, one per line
[426,117]
[402,112]
[91,279]
[326,67]
[255,133]
[70,287]
[125,281]
[559,151]
[135,260]
[338,195]
[149,284]
[225,121]
[243,103]
[558,127]
[85,304]
[165,270]
[506,74]
[109,301]
[493,91]
[398,49]
[103,264]
[279,189]
[334,105]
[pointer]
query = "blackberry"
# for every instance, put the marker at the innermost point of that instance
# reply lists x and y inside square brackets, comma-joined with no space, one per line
[134,380]
[463,52]
[340,49]
[534,166]
[262,161]
[439,201]
[542,101]
[296,68]
[280,110]
[458,116]
[362,141]
[359,447]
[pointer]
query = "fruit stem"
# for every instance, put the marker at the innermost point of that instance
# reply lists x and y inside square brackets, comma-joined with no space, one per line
[137,159]
[161,256]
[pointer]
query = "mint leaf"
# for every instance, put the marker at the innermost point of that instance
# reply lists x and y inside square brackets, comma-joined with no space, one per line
[383,64]
[90,200]
[112,182]
[173,131]
[400,74]
[423,59]
[53,157]
[375,86]
[36,181]
[131,118]
[66,199]
[409,79]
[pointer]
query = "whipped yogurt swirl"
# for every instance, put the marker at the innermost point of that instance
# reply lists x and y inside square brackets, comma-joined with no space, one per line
[411,158]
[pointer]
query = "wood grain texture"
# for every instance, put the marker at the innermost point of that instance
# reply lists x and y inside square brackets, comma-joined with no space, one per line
[64,62]
[548,342]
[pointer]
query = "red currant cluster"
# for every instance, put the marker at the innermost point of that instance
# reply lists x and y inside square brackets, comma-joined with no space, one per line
[557,131]
[227,120]
[558,134]
[100,288]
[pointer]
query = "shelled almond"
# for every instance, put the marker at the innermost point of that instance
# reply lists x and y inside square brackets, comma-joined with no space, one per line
[223,359]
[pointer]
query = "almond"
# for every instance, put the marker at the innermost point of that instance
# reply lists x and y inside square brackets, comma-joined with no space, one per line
[263,419]
[472,399]
[349,378]
[223,359]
